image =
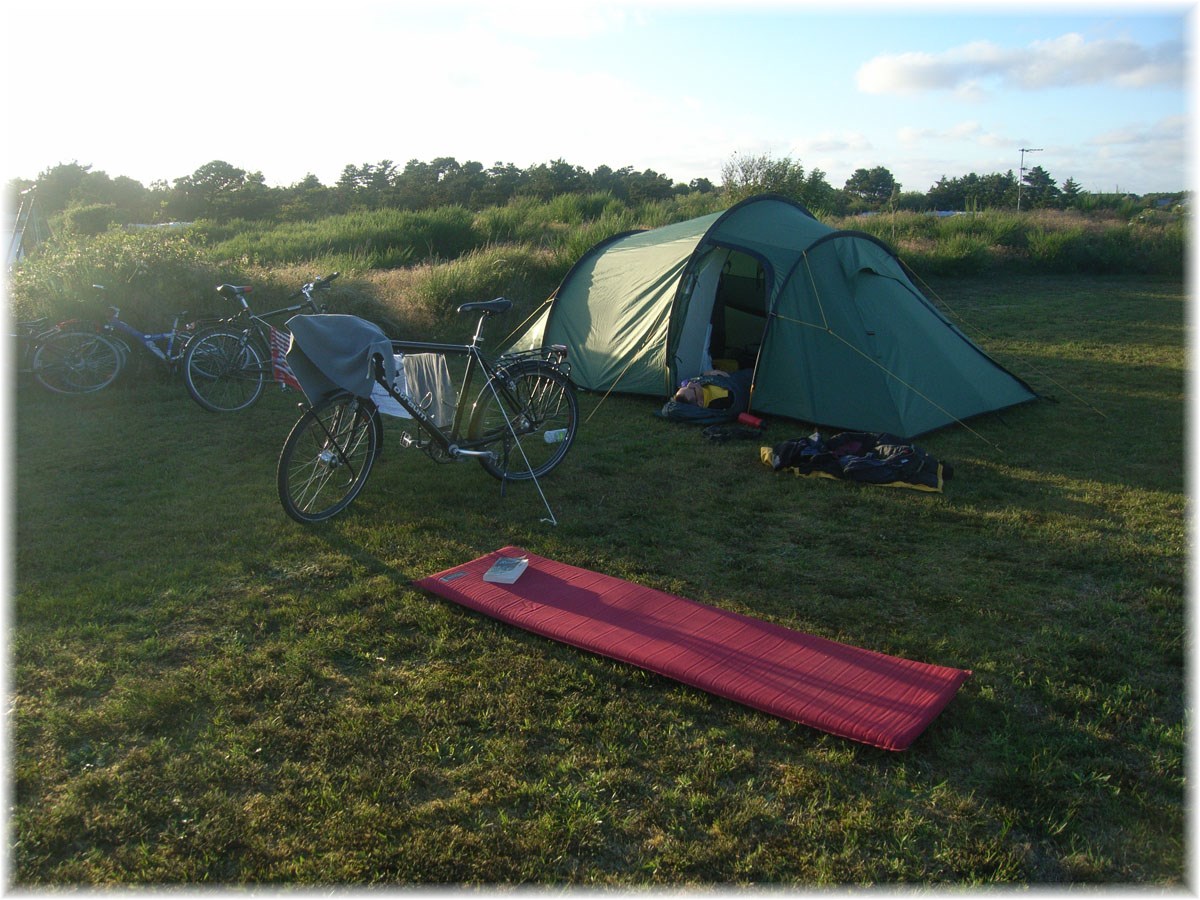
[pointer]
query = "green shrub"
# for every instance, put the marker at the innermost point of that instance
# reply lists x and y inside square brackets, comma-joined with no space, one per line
[1007,230]
[522,273]
[577,241]
[572,209]
[92,219]
[507,224]
[1080,249]
[149,274]
[1160,250]
[365,239]
[959,254]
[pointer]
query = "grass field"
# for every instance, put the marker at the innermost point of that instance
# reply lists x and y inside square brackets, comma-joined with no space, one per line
[204,692]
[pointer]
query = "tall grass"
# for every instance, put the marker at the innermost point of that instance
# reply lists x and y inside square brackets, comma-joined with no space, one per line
[149,275]
[1041,241]
[521,273]
[369,239]
[523,248]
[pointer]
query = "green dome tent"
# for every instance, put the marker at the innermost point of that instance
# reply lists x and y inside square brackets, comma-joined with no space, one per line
[834,331]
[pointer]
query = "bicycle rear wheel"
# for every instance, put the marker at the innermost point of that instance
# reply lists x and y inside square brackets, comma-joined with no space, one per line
[224,370]
[327,458]
[527,415]
[77,362]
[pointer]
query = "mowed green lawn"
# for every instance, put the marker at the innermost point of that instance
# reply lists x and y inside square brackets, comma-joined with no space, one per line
[203,691]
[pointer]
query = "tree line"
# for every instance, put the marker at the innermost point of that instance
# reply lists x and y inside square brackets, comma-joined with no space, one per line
[76,197]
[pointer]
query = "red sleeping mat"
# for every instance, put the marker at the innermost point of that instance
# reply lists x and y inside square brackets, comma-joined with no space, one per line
[859,694]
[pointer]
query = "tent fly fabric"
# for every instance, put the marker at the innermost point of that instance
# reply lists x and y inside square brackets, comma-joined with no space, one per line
[832,328]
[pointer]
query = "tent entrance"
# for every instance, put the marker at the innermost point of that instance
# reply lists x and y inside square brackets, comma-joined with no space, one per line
[724,311]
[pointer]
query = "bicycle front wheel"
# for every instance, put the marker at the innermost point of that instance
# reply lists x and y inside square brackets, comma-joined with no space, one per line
[224,370]
[327,458]
[77,362]
[527,416]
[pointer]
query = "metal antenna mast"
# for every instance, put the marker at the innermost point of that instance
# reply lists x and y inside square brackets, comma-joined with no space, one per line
[1021,176]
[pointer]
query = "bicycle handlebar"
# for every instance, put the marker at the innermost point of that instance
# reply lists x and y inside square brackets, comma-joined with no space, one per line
[319,285]
[238,293]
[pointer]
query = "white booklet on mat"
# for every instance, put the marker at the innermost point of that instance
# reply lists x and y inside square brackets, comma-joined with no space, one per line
[506,569]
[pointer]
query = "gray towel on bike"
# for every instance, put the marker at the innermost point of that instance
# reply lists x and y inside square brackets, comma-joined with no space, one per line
[330,352]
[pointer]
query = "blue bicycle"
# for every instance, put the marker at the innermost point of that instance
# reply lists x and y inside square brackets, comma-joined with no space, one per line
[168,347]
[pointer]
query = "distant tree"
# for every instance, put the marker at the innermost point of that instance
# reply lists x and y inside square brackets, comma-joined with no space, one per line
[745,176]
[701,186]
[255,200]
[415,186]
[605,179]
[308,199]
[972,192]
[996,191]
[911,201]
[502,182]
[547,180]
[649,185]
[128,199]
[874,187]
[1071,193]
[1040,190]
[946,194]
[57,185]
[368,185]
[208,192]
[458,184]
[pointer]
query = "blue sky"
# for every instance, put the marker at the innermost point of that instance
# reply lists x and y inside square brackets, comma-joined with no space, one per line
[153,90]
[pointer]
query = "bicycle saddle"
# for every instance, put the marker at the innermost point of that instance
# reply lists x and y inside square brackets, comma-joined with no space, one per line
[499,305]
[231,291]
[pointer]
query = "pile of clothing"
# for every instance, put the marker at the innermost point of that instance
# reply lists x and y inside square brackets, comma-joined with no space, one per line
[881,459]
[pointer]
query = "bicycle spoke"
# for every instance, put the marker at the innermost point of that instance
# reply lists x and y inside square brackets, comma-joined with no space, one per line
[528,418]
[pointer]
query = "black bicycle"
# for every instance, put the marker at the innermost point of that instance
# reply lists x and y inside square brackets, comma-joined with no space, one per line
[226,366]
[518,425]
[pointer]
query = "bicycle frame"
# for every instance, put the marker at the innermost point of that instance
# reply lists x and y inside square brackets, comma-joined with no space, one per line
[452,442]
[147,340]
[248,319]
[239,294]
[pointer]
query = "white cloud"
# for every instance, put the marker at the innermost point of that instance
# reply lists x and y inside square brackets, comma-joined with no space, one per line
[969,131]
[1171,130]
[832,142]
[1067,61]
